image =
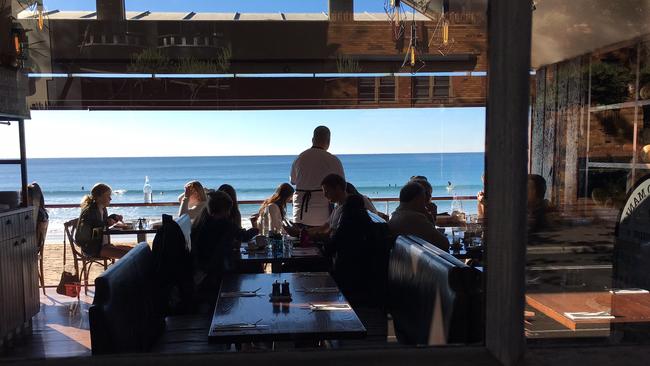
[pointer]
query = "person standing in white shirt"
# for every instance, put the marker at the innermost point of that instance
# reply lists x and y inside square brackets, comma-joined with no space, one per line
[310,207]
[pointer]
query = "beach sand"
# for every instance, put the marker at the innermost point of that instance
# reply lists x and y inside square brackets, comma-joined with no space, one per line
[53,264]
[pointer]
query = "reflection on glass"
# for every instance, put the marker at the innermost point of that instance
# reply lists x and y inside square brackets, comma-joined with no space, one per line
[590,149]
[611,136]
[613,77]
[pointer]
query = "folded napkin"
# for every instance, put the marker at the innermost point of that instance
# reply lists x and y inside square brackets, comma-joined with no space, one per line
[239,294]
[584,315]
[628,291]
[312,274]
[304,252]
[321,290]
[329,307]
[237,326]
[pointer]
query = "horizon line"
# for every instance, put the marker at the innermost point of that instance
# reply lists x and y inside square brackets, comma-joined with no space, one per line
[250,156]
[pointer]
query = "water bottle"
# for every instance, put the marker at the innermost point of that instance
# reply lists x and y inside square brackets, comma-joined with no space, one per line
[456,204]
[147,190]
[457,209]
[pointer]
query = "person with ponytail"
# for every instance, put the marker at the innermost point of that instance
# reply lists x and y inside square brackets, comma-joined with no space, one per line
[93,222]
[273,211]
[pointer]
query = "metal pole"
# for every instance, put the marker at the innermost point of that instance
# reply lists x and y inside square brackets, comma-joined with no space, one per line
[23,162]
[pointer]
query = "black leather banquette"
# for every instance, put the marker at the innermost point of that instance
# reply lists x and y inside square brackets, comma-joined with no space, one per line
[125,315]
[433,297]
[131,297]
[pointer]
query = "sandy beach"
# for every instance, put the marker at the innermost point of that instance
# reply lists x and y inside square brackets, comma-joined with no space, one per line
[53,264]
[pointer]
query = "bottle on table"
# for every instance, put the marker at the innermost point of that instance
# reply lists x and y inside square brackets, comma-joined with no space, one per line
[457,209]
[147,190]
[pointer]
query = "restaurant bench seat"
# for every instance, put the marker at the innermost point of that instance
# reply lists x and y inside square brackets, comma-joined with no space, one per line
[433,297]
[133,296]
[126,315]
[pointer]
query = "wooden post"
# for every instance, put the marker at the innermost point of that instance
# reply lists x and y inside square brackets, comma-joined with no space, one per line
[23,162]
[110,10]
[341,10]
[509,37]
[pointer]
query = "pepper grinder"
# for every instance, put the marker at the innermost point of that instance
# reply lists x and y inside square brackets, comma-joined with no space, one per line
[276,289]
[285,288]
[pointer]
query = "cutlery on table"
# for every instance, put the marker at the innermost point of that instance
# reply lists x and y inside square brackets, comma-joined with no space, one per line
[240,293]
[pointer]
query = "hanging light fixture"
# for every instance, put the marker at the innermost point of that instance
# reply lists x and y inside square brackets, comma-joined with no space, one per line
[445,31]
[40,16]
[19,41]
[412,56]
[17,45]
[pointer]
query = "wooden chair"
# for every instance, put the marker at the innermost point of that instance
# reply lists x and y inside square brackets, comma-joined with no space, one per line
[41,232]
[70,228]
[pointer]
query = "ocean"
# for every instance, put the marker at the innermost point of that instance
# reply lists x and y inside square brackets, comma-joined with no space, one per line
[254,178]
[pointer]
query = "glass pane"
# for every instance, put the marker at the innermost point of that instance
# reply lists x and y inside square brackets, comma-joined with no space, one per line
[441,86]
[422,87]
[587,211]
[367,89]
[228,92]
[387,89]
[611,136]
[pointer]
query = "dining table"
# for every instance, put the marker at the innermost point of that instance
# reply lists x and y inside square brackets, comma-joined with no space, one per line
[579,310]
[464,249]
[141,234]
[316,309]
[306,256]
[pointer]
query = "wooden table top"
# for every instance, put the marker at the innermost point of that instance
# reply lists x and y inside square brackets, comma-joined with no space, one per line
[290,321]
[624,307]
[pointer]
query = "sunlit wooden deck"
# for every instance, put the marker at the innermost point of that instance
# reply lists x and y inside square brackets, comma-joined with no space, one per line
[60,329]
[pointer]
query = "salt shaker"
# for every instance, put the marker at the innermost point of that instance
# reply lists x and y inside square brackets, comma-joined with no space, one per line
[276,289]
[285,288]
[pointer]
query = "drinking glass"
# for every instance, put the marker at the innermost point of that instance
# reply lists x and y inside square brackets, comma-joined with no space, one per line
[455,238]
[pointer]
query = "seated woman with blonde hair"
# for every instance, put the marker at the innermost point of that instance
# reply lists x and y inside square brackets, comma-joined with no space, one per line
[193,200]
[93,222]
[274,209]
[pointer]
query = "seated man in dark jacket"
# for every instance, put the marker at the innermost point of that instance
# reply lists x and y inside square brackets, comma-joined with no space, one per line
[354,246]
[351,247]
[213,236]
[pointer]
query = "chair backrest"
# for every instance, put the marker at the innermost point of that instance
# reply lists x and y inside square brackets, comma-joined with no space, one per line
[361,265]
[172,262]
[126,315]
[41,233]
[185,224]
[434,299]
[69,228]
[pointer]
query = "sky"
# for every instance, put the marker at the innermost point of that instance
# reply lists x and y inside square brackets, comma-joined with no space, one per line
[242,6]
[51,134]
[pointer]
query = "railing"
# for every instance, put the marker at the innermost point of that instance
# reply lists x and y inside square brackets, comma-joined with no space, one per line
[385,200]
